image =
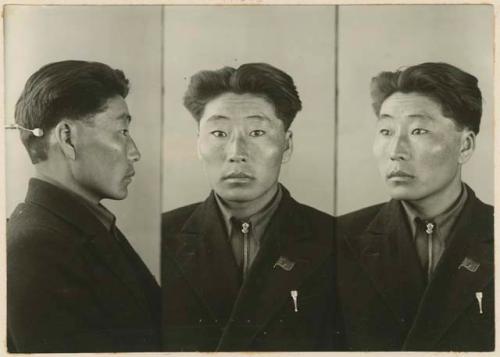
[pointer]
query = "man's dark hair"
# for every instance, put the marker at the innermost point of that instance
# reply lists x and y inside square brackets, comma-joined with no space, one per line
[259,79]
[68,89]
[455,90]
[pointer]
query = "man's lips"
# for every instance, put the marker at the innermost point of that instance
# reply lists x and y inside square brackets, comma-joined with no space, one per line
[130,174]
[399,174]
[237,175]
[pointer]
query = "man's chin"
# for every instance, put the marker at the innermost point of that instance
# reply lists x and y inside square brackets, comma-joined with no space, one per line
[236,195]
[119,195]
[403,193]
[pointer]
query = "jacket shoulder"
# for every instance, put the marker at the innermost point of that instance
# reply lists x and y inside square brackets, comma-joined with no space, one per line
[356,221]
[172,221]
[314,215]
[33,231]
[483,216]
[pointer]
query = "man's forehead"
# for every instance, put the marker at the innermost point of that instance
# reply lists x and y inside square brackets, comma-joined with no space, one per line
[115,109]
[231,105]
[411,105]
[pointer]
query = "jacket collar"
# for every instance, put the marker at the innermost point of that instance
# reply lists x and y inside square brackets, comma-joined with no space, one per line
[95,237]
[268,287]
[205,257]
[63,204]
[452,289]
[387,254]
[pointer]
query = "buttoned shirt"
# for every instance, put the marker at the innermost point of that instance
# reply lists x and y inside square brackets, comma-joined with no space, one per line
[440,231]
[245,235]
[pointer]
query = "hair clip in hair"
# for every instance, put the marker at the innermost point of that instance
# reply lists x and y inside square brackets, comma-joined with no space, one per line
[38,132]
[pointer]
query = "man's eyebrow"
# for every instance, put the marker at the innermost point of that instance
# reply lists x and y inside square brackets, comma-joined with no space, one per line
[252,116]
[258,117]
[217,117]
[415,116]
[125,116]
[421,116]
[384,116]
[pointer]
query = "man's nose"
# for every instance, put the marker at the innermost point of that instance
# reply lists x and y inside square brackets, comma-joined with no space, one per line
[133,152]
[236,148]
[399,149]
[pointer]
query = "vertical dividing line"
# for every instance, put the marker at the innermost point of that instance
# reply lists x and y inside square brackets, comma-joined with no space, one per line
[336,112]
[162,130]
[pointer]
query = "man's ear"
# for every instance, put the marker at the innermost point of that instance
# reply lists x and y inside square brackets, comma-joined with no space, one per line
[65,134]
[467,146]
[287,153]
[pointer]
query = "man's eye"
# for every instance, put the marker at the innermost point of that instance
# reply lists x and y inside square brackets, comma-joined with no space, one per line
[384,132]
[419,131]
[125,132]
[218,133]
[257,132]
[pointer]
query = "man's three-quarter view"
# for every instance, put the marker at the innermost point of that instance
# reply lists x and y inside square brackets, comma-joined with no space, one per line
[249,268]
[74,283]
[416,273]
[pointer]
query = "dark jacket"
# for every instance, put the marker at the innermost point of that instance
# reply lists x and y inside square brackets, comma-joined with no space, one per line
[205,309]
[71,287]
[384,301]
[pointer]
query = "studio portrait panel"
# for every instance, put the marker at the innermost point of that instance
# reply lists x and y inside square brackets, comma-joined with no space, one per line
[248,178]
[415,178]
[83,93]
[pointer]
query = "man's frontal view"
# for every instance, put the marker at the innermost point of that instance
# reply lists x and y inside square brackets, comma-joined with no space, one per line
[249,268]
[416,273]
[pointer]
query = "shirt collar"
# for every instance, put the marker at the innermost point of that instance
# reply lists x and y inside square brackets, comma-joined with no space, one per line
[104,215]
[440,219]
[257,218]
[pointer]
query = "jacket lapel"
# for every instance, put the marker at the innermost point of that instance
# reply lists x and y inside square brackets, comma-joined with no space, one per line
[268,285]
[386,253]
[114,258]
[204,255]
[95,237]
[451,289]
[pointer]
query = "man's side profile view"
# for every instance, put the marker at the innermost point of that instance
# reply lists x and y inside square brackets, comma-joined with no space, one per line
[249,268]
[416,273]
[74,283]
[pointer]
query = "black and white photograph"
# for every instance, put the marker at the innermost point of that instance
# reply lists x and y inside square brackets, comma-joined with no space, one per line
[249,177]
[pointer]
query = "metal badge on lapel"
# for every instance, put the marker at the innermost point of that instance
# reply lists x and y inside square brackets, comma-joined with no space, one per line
[469,264]
[284,263]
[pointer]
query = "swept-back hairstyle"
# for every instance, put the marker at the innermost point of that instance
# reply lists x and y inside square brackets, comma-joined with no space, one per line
[260,79]
[455,90]
[68,89]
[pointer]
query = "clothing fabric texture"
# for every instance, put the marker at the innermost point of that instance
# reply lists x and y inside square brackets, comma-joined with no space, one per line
[384,301]
[72,284]
[206,308]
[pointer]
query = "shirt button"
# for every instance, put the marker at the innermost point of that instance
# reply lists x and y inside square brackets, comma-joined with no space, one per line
[200,321]
[264,333]
[248,321]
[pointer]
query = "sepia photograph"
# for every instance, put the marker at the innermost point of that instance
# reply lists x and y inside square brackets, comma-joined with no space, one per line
[249,178]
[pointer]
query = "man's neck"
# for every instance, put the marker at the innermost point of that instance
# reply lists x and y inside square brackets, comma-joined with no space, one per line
[62,179]
[439,202]
[242,210]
